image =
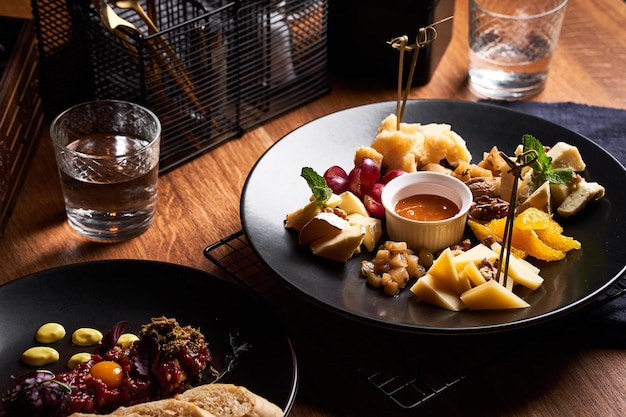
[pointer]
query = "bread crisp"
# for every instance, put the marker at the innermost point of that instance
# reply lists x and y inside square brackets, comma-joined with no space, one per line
[228,400]
[162,408]
[211,400]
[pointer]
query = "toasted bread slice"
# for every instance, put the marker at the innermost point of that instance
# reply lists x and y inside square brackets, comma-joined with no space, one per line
[228,400]
[162,408]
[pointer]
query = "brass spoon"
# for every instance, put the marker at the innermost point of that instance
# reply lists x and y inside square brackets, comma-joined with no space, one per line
[134,5]
[114,23]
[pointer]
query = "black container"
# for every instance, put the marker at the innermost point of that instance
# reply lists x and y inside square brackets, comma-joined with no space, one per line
[21,115]
[215,69]
[358,32]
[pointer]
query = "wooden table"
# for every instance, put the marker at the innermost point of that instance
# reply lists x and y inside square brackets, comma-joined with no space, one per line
[199,204]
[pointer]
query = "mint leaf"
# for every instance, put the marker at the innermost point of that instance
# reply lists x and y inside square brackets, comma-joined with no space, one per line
[559,175]
[542,166]
[543,161]
[317,184]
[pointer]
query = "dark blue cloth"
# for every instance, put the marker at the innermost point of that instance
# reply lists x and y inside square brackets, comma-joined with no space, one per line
[604,323]
[603,125]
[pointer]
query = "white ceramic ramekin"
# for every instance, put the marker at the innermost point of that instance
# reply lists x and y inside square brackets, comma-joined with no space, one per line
[430,235]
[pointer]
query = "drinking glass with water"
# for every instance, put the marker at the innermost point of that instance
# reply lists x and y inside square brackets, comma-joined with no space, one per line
[108,155]
[511,46]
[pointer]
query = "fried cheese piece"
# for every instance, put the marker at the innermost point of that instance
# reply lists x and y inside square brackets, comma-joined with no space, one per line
[414,146]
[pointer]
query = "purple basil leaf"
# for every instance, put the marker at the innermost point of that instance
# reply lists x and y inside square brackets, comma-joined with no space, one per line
[111,337]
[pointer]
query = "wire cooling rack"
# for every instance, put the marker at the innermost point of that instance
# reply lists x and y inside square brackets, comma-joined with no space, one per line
[418,367]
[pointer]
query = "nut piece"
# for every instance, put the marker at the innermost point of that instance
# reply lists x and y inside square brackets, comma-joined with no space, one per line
[480,186]
[487,208]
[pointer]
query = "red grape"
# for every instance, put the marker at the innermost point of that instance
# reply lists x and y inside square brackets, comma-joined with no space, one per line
[370,173]
[337,184]
[374,208]
[376,192]
[392,174]
[335,171]
[337,179]
[354,182]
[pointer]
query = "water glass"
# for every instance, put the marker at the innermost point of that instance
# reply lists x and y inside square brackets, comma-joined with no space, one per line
[511,46]
[107,154]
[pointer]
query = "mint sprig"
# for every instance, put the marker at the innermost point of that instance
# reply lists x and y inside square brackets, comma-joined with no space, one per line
[317,184]
[542,166]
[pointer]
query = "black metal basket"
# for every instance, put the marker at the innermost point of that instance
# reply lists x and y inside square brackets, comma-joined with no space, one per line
[213,70]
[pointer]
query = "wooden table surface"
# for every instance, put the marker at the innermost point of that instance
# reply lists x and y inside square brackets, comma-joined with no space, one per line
[198,204]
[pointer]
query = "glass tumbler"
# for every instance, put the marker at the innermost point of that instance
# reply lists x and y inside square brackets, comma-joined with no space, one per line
[107,155]
[511,46]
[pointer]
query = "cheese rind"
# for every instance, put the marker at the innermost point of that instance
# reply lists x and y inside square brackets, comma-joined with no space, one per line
[323,225]
[342,246]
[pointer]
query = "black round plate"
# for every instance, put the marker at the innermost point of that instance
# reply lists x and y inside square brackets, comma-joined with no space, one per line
[100,294]
[275,188]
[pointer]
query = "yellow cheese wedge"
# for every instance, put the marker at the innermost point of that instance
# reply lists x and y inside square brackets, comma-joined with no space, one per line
[473,273]
[475,255]
[373,229]
[298,218]
[431,290]
[445,271]
[342,246]
[464,281]
[323,225]
[521,271]
[333,201]
[350,203]
[496,248]
[491,295]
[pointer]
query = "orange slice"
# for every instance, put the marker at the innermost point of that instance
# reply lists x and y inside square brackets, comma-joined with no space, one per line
[493,230]
[553,237]
[528,241]
[532,219]
[481,231]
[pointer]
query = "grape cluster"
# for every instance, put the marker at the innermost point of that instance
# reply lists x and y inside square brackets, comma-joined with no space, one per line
[365,180]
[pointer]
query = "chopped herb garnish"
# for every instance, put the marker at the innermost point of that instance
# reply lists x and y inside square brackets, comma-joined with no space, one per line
[321,191]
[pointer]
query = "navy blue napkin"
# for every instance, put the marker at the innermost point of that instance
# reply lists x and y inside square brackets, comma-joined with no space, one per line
[603,125]
[604,323]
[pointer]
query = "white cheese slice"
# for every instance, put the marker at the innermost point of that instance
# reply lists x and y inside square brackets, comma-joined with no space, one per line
[565,155]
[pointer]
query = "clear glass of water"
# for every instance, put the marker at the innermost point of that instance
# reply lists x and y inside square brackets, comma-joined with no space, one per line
[107,155]
[511,46]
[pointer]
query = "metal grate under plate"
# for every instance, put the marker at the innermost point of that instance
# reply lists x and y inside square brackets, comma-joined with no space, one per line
[420,368]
